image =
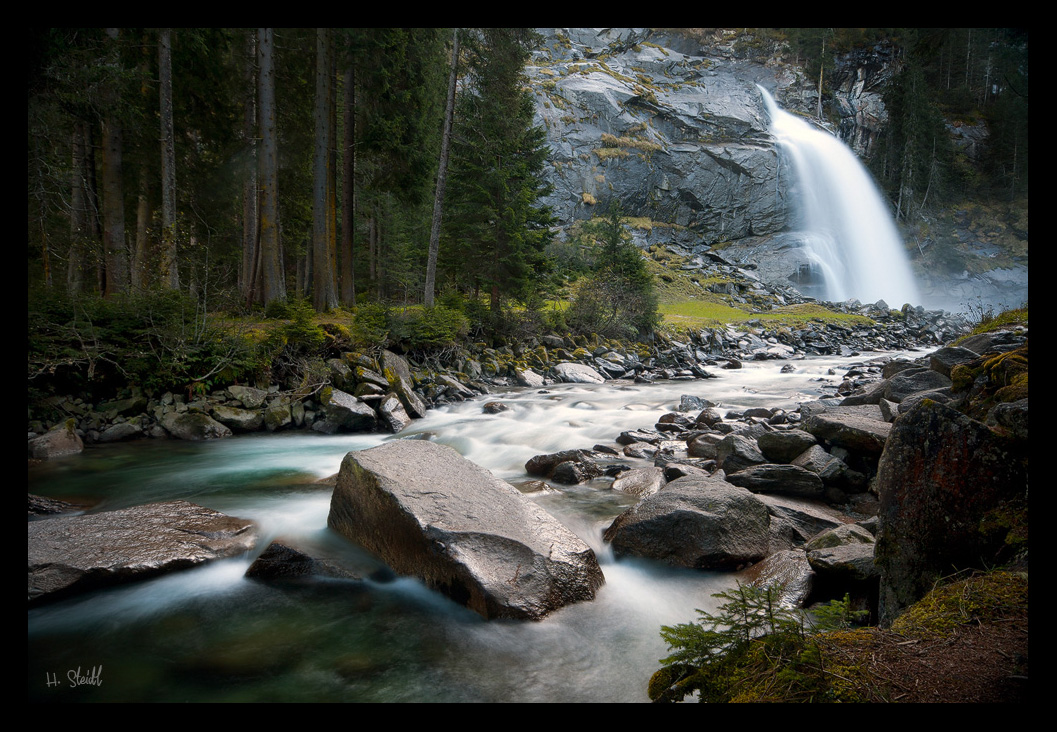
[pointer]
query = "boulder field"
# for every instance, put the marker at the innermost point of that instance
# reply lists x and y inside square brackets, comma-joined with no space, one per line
[918,470]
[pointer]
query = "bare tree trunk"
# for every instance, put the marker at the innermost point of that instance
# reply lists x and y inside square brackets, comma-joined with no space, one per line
[442,176]
[140,251]
[348,207]
[324,287]
[248,271]
[169,277]
[115,249]
[273,282]
[79,227]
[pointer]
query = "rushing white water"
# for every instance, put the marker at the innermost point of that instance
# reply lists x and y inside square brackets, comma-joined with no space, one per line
[211,634]
[847,231]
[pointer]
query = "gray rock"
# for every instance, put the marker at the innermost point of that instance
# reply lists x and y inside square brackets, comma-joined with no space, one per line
[528,377]
[121,431]
[193,426]
[392,414]
[785,479]
[788,570]
[736,452]
[278,416]
[794,521]
[544,465]
[859,429]
[59,441]
[69,554]
[703,523]
[238,420]
[854,562]
[348,413]
[783,446]
[398,374]
[945,359]
[428,512]
[1011,418]
[832,470]
[578,373]
[280,561]
[251,398]
[843,534]
[641,482]
[124,407]
[911,381]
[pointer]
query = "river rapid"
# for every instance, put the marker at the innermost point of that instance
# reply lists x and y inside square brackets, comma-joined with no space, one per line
[211,635]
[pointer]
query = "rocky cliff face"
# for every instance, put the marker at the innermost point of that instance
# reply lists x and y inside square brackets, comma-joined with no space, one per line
[677,136]
[674,128]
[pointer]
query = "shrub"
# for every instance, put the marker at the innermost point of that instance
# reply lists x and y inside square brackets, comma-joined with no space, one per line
[754,649]
[156,341]
[427,329]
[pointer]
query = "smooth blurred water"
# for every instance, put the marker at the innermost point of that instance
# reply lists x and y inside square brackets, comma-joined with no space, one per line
[846,228]
[210,634]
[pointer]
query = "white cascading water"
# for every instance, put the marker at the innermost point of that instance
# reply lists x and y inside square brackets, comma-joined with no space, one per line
[847,230]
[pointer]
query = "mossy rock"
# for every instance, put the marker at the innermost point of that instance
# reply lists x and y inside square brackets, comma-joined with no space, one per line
[980,598]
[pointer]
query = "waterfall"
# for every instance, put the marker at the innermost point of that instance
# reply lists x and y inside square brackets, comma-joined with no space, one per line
[849,236]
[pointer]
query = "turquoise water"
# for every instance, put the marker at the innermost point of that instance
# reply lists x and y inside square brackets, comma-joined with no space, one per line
[211,635]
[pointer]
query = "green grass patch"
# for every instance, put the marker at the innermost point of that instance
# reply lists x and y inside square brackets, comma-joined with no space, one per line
[710,312]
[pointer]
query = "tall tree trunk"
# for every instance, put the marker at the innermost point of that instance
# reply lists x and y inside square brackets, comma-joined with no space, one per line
[169,275]
[141,249]
[273,282]
[348,205]
[442,176]
[248,271]
[324,286]
[80,230]
[115,248]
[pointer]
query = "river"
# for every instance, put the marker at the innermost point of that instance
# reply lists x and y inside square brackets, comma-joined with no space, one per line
[211,635]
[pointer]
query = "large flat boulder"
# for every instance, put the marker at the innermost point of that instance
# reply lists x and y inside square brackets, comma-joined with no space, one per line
[70,554]
[859,429]
[428,512]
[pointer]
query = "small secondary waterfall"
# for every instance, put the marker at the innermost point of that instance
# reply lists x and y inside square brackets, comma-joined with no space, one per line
[847,231]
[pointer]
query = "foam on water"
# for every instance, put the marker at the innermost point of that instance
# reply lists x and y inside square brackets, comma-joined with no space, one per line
[847,231]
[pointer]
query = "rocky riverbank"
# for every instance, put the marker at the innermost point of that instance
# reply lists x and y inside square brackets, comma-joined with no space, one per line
[385,391]
[843,495]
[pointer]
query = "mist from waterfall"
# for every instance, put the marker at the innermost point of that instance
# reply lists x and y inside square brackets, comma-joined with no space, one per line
[848,233]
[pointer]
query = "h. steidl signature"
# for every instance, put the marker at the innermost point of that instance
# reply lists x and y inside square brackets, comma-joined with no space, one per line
[74,677]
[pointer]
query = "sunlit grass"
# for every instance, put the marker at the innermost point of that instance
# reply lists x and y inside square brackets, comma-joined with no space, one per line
[704,313]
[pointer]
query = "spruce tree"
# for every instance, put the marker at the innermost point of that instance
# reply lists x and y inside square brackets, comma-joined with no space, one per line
[499,227]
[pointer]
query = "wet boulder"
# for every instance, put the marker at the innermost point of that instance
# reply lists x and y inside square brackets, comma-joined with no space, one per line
[578,373]
[696,521]
[70,554]
[858,429]
[398,374]
[346,413]
[57,442]
[771,478]
[193,426]
[428,512]
[640,482]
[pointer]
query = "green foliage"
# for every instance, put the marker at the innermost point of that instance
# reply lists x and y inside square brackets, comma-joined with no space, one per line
[618,299]
[155,341]
[427,329]
[370,328]
[497,227]
[754,649]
